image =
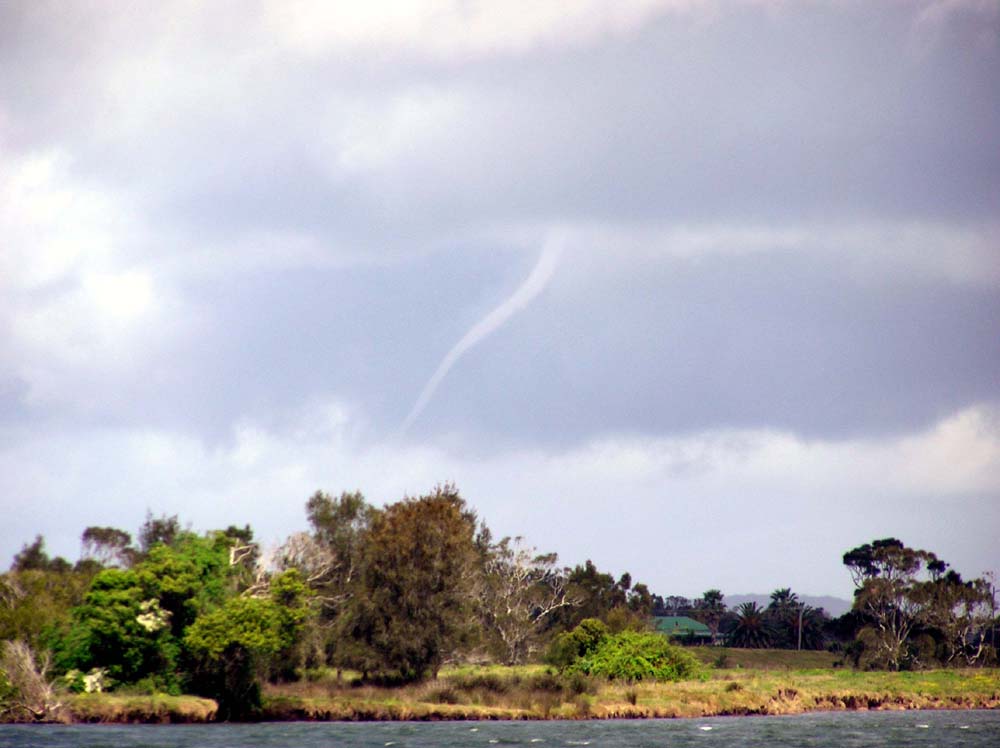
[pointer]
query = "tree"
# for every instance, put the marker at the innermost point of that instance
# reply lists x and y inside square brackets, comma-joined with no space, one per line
[122,628]
[960,613]
[792,622]
[888,576]
[710,611]
[753,629]
[33,557]
[675,605]
[521,589]
[132,621]
[108,545]
[641,601]
[330,558]
[162,530]
[25,691]
[412,605]
[235,645]
[339,530]
[35,604]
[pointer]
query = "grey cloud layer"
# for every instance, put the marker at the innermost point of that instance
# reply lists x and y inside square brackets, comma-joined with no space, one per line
[779,216]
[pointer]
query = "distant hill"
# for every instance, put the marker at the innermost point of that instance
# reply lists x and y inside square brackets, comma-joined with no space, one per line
[834,606]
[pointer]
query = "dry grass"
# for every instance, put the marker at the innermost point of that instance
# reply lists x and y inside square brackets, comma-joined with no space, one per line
[155,709]
[530,693]
[526,693]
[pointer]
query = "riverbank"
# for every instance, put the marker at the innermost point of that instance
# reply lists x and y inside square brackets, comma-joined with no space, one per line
[152,709]
[529,693]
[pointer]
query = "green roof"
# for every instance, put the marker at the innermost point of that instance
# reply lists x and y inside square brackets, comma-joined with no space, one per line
[680,626]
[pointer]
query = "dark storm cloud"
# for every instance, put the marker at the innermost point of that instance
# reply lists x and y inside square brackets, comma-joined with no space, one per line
[818,110]
[774,341]
[783,229]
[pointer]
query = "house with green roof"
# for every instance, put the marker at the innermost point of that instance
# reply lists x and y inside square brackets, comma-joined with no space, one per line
[684,628]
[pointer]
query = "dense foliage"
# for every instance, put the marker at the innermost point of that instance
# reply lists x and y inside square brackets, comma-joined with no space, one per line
[914,610]
[394,593]
[638,655]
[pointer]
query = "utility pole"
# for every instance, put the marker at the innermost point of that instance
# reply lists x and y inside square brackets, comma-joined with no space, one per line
[802,610]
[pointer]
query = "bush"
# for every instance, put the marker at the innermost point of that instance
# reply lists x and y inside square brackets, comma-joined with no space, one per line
[489,682]
[570,646]
[635,656]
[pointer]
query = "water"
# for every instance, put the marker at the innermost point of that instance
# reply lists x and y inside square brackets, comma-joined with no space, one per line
[940,729]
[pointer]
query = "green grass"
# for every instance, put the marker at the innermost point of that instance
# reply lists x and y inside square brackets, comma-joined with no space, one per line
[765,659]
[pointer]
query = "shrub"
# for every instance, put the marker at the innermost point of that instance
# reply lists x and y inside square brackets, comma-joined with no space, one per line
[445,695]
[634,656]
[570,646]
[489,682]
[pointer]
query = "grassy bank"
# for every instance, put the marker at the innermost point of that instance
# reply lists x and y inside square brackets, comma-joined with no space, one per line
[154,709]
[531,693]
[527,693]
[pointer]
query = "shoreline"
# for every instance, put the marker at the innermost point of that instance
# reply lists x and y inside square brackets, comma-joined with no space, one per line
[171,717]
[726,693]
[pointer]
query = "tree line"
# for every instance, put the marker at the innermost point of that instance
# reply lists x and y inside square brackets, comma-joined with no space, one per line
[394,593]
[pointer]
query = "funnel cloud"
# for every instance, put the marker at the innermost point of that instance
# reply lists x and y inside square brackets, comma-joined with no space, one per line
[533,285]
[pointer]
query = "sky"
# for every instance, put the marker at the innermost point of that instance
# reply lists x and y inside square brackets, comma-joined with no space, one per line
[704,291]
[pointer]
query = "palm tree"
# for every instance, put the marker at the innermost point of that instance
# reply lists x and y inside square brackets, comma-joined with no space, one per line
[752,628]
[783,615]
[784,599]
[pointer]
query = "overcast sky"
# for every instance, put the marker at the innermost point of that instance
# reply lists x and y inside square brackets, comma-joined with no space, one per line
[706,291]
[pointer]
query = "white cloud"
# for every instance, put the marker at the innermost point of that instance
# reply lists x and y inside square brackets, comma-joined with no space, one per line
[52,225]
[454,30]
[373,135]
[75,304]
[956,253]
[770,505]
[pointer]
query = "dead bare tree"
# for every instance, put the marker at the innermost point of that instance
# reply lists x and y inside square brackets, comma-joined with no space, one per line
[520,590]
[32,696]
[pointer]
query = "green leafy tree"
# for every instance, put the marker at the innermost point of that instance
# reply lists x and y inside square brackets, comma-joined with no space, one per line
[32,557]
[412,607]
[597,591]
[330,559]
[131,621]
[597,594]
[710,610]
[35,604]
[641,601]
[121,628]
[234,646]
[783,616]
[162,530]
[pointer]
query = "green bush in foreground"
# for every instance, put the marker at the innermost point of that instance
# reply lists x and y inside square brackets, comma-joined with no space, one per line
[635,655]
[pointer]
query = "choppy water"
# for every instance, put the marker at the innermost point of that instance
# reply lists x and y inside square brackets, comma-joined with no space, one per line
[939,729]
